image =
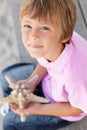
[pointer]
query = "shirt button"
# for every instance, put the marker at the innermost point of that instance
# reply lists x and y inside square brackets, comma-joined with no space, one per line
[49,69]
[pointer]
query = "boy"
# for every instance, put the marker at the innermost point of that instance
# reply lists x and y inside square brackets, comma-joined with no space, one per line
[47,33]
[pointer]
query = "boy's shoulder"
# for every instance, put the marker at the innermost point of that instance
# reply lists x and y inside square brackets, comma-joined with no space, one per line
[79,42]
[78,38]
[79,54]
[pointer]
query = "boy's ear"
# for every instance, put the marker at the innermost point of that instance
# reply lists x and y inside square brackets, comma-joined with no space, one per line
[66,40]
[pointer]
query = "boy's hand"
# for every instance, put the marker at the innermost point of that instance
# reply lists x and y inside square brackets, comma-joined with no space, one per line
[30,109]
[28,84]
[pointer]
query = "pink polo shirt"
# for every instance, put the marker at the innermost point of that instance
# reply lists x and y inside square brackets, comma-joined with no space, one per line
[66,80]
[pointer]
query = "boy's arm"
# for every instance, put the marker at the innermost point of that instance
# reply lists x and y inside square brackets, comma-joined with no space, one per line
[58,109]
[36,77]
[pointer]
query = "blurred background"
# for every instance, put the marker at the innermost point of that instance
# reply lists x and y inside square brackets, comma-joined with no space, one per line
[8,44]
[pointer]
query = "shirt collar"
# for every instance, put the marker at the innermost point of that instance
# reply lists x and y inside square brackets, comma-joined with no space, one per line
[62,59]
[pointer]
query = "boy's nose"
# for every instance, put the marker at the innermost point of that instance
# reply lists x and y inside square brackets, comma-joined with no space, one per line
[34,34]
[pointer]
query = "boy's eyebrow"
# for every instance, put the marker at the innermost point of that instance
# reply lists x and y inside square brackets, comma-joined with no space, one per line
[41,22]
[26,21]
[44,23]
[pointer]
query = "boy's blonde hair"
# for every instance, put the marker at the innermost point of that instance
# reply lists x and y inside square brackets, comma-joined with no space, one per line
[61,12]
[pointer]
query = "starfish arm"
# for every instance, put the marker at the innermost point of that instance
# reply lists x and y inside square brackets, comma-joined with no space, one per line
[11,82]
[34,98]
[6,100]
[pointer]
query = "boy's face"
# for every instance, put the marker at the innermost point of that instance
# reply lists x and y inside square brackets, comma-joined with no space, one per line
[41,38]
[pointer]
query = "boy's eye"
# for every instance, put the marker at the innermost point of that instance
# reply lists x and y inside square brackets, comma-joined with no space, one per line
[27,26]
[45,28]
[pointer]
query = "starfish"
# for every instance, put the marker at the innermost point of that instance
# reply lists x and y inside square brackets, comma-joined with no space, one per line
[21,96]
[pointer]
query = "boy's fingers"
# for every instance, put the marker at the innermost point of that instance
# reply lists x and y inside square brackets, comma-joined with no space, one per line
[13,106]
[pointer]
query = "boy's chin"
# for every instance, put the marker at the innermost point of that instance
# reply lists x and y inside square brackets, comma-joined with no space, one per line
[35,55]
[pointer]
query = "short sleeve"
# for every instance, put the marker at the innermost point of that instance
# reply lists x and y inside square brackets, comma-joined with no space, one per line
[77,95]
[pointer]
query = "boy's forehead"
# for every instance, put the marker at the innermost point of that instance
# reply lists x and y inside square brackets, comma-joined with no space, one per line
[43,20]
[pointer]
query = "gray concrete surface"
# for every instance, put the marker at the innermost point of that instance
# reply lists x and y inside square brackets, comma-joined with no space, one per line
[8,43]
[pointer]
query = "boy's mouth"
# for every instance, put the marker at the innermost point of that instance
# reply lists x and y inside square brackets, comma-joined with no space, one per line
[36,46]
